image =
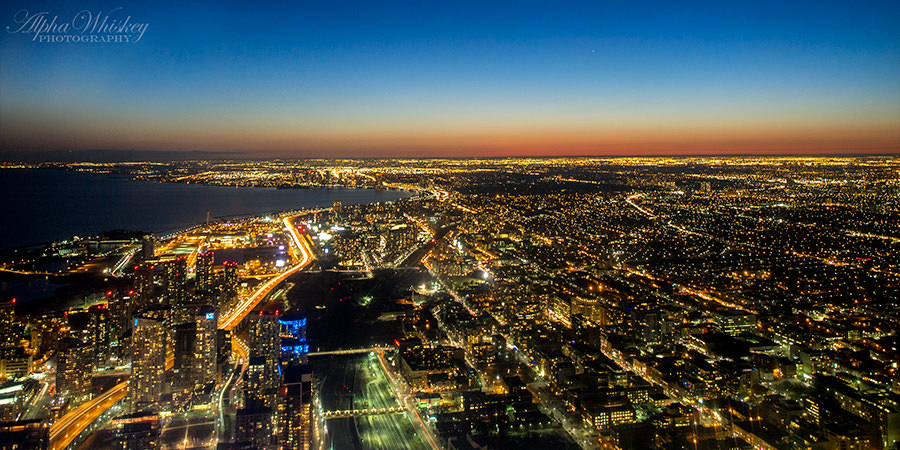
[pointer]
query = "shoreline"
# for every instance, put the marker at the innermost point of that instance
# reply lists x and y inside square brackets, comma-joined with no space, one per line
[56,204]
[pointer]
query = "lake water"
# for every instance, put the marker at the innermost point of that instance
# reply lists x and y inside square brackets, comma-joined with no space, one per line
[44,205]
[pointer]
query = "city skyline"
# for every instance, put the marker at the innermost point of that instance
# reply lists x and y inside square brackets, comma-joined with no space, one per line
[460,80]
[594,303]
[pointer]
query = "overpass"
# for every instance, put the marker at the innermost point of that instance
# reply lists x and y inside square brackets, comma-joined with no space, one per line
[337,414]
[349,351]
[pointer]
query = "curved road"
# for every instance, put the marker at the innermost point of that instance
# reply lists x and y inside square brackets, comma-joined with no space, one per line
[302,250]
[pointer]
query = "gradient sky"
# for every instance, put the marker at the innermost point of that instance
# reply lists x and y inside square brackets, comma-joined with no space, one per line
[379,78]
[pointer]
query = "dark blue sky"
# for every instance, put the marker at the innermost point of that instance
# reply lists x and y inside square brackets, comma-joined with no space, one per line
[392,78]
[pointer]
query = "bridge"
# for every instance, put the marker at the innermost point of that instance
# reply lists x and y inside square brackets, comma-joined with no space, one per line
[362,412]
[349,351]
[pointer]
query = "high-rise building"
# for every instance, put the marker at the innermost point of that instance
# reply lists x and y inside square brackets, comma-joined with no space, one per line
[136,431]
[223,344]
[262,376]
[254,425]
[196,354]
[79,323]
[229,284]
[260,383]
[293,326]
[101,334]
[265,335]
[294,345]
[7,323]
[184,343]
[148,363]
[206,348]
[294,413]
[148,247]
[205,281]
[119,311]
[143,298]
[174,279]
[74,367]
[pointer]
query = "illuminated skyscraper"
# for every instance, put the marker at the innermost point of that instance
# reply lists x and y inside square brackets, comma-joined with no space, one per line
[119,310]
[7,323]
[195,355]
[257,392]
[205,350]
[229,283]
[205,280]
[294,414]
[74,367]
[174,280]
[294,346]
[185,341]
[101,334]
[148,363]
[265,351]
[223,343]
[143,298]
[265,335]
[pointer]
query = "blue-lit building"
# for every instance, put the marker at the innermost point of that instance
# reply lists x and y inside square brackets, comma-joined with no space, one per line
[294,345]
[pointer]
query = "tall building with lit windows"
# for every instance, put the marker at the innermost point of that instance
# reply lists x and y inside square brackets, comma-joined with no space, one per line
[265,335]
[294,413]
[205,280]
[254,428]
[230,282]
[74,367]
[7,323]
[148,367]
[101,334]
[206,348]
[119,312]
[294,345]
[265,352]
[174,280]
[184,343]
[143,298]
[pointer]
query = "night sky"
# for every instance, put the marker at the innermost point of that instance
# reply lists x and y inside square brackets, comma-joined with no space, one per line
[452,78]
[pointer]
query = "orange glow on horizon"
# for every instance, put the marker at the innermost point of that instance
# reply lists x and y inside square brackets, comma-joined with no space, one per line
[669,137]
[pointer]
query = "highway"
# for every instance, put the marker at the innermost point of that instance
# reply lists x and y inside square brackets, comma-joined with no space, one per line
[69,426]
[302,251]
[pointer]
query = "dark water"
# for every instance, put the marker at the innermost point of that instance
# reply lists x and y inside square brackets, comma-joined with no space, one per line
[46,205]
